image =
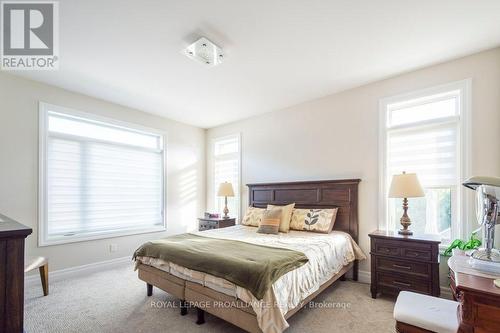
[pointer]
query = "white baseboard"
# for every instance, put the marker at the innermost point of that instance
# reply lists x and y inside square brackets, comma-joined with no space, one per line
[364,277]
[77,271]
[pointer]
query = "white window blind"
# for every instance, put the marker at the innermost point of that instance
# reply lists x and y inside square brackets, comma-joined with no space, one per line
[100,178]
[429,151]
[226,167]
[423,135]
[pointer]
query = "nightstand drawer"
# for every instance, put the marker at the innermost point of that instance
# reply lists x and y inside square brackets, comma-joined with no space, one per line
[207,225]
[403,266]
[417,253]
[397,283]
[403,249]
[387,248]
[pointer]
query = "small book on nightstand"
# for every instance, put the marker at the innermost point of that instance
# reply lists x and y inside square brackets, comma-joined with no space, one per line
[402,262]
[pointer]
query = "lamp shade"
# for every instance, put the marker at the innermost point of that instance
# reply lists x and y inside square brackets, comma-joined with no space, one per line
[406,185]
[225,190]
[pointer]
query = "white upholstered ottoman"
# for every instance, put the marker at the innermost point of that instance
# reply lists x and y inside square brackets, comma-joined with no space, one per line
[421,313]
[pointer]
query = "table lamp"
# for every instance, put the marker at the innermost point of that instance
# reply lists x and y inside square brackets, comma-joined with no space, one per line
[405,186]
[225,190]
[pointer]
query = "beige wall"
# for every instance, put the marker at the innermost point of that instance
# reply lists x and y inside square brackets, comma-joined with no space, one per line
[19,168]
[337,136]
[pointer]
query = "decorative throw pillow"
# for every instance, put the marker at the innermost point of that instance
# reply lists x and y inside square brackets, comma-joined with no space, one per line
[253,216]
[286,215]
[270,223]
[316,220]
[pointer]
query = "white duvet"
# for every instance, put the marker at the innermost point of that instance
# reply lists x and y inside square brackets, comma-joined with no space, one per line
[327,254]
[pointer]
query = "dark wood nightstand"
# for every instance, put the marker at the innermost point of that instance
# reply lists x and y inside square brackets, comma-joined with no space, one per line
[207,224]
[404,263]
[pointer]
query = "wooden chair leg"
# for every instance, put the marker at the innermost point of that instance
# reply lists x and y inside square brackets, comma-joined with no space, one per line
[44,276]
[149,288]
[201,316]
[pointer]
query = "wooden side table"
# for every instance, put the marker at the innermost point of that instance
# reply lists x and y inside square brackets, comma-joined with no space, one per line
[12,235]
[479,309]
[207,224]
[400,262]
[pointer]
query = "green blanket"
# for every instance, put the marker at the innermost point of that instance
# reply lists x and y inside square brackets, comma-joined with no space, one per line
[253,267]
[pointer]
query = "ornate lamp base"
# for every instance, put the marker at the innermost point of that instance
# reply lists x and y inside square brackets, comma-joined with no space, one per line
[226,210]
[405,220]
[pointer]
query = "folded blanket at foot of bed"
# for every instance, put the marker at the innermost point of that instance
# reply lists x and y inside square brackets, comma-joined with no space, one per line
[253,267]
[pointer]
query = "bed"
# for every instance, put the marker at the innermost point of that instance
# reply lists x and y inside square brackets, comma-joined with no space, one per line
[330,256]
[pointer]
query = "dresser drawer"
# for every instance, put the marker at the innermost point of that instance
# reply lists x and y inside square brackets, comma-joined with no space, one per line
[404,266]
[397,282]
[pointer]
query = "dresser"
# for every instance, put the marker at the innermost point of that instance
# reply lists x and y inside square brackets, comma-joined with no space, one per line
[400,262]
[12,235]
[208,223]
[479,309]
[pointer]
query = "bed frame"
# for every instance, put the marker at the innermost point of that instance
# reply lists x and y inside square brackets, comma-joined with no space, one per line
[307,194]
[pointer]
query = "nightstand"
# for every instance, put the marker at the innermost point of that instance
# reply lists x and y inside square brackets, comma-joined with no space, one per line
[207,224]
[401,262]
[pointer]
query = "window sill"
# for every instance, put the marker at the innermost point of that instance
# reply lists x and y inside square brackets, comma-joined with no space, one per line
[95,236]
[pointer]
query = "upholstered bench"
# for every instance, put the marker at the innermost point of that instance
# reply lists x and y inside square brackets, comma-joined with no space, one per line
[417,313]
[42,264]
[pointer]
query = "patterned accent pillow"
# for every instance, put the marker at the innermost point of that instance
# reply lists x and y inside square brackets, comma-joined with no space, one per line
[315,220]
[286,216]
[270,223]
[253,216]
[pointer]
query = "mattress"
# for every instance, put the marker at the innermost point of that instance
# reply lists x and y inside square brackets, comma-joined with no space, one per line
[327,254]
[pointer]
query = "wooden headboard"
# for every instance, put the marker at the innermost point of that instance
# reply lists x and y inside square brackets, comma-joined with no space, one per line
[341,193]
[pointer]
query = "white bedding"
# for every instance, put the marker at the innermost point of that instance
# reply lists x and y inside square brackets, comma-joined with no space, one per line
[327,254]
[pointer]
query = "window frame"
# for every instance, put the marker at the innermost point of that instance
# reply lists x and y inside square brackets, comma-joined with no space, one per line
[213,160]
[460,225]
[43,238]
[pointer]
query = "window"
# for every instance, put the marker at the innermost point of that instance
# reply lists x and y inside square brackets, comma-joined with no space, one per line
[424,133]
[98,178]
[226,168]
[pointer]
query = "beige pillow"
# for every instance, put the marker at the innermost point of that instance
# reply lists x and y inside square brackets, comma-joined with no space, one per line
[316,220]
[270,222]
[286,215]
[253,216]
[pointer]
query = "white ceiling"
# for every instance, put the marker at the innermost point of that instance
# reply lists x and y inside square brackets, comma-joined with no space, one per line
[278,53]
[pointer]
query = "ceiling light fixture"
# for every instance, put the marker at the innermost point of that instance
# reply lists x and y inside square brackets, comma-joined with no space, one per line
[205,52]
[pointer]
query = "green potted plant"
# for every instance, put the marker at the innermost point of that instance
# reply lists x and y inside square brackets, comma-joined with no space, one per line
[472,244]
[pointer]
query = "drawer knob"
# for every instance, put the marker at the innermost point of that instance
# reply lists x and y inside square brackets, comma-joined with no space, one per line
[401,266]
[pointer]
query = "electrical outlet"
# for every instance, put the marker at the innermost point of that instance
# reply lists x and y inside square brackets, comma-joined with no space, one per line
[113,247]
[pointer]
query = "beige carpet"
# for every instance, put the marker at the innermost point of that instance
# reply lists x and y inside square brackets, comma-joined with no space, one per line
[116,301]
